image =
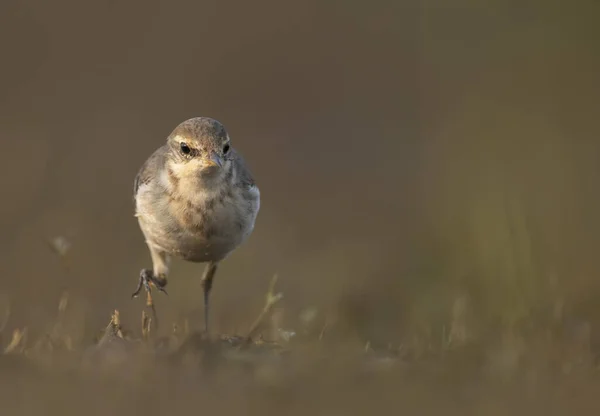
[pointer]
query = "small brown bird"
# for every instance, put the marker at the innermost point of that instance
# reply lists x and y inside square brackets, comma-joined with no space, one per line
[195,199]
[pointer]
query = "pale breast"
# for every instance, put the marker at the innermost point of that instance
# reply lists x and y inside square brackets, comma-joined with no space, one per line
[207,227]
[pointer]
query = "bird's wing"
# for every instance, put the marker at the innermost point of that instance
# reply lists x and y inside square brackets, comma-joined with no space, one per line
[150,167]
[244,175]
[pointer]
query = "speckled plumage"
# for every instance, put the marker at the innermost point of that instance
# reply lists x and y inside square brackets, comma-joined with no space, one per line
[187,206]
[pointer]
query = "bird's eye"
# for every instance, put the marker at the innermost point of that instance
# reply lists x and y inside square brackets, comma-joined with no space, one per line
[185,149]
[226,148]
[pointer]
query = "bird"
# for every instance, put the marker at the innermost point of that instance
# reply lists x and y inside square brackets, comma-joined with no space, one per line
[196,200]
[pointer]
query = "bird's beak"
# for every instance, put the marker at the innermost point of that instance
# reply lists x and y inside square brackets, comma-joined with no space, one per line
[214,160]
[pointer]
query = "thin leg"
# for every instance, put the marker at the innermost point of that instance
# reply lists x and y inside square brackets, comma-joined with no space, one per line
[156,276]
[147,277]
[207,281]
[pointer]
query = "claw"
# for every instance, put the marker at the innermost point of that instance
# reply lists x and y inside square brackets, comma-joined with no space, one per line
[138,288]
[160,288]
[147,277]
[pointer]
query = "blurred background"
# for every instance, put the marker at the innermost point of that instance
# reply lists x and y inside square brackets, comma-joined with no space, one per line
[429,170]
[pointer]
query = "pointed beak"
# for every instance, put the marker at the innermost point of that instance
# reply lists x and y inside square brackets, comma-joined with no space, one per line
[214,160]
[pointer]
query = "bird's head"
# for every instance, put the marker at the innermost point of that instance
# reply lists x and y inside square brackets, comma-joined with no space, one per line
[199,147]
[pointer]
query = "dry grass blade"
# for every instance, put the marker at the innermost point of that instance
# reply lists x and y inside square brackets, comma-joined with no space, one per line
[115,324]
[152,308]
[63,303]
[146,325]
[56,335]
[322,333]
[270,300]
[17,343]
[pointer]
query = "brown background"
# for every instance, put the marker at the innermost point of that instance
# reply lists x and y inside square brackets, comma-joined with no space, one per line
[323,101]
[406,152]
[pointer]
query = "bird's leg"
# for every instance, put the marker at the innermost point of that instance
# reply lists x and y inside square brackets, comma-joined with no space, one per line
[157,276]
[207,281]
[147,277]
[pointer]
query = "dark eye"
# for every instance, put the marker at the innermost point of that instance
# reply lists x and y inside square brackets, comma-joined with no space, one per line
[226,148]
[185,149]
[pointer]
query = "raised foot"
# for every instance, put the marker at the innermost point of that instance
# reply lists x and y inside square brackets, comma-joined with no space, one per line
[147,277]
